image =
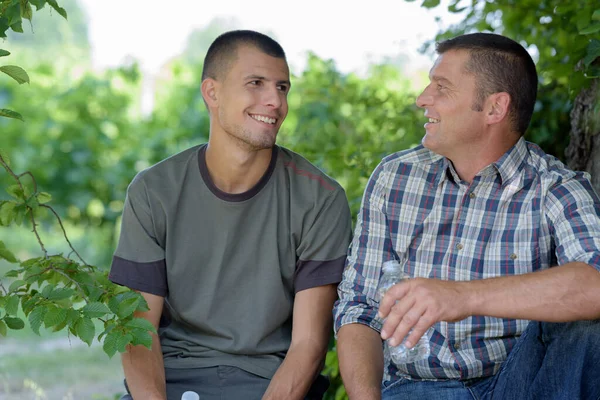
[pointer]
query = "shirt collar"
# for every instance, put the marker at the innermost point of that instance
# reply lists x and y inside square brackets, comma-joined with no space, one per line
[506,166]
[511,162]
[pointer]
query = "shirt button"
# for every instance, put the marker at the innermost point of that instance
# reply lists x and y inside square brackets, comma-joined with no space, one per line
[459,246]
[513,256]
[457,346]
[472,195]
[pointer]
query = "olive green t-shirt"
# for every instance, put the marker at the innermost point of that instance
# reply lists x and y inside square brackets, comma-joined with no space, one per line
[229,265]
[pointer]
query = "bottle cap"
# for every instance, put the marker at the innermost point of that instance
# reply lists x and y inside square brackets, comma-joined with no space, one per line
[189,395]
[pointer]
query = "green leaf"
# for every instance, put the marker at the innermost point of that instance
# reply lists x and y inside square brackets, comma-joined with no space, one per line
[4,53]
[26,11]
[36,317]
[596,15]
[16,191]
[7,213]
[58,9]
[4,112]
[15,72]
[14,323]
[141,323]
[43,197]
[123,341]
[12,13]
[60,293]
[39,4]
[110,343]
[3,328]
[127,307]
[117,300]
[5,157]
[590,29]
[593,52]
[141,337]
[55,316]
[86,330]
[17,27]
[12,305]
[430,3]
[13,273]
[16,284]
[95,310]
[6,254]
[47,290]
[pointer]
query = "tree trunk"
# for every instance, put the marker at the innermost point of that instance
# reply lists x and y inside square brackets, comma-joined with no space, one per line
[583,152]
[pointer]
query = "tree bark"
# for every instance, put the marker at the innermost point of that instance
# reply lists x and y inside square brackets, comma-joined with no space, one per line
[583,152]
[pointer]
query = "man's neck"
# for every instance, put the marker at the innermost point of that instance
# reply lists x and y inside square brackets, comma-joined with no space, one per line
[473,159]
[234,169]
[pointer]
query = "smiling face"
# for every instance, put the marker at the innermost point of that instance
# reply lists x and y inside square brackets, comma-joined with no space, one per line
[449,102]
[249,103]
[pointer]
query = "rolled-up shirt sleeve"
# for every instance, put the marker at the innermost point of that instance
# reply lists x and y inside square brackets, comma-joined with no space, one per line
[573,213]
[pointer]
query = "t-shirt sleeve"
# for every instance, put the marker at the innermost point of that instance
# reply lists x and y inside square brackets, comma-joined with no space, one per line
[139,261]
[322,249]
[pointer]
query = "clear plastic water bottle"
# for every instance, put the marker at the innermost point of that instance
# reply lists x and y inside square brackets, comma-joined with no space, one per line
[189,395]
[393,273]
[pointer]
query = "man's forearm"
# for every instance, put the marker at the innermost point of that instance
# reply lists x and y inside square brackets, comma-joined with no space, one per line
[560,294]
[360,356]
[145,372]
[298,371]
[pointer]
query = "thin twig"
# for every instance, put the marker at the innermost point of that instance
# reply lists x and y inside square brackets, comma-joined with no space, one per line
[3,288]
[32,179]
[34,230]
[65,234]
[74,281]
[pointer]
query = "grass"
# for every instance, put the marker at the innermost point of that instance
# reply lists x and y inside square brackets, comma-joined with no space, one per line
[54,366]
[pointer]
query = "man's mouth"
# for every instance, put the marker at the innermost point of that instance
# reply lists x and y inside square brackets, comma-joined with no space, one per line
[263,118]
[433,120]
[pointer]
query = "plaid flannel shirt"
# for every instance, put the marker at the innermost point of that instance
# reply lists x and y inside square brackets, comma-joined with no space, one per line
[523,213]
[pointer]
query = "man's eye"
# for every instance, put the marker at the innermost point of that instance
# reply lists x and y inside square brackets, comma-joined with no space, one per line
[439,87]
[282,88]
[254,83]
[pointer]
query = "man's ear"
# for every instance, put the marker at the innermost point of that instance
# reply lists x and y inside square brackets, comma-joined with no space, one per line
[209,88]
[497,106]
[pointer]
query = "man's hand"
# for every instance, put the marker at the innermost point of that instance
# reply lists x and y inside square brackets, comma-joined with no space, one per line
[418,304]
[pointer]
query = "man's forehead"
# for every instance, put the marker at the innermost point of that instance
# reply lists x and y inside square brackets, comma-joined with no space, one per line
[260,64]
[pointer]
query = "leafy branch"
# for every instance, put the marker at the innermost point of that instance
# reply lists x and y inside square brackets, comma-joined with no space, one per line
[54,291]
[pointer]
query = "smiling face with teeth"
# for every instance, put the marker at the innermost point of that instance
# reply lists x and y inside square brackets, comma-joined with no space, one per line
[250,100]
[454,125]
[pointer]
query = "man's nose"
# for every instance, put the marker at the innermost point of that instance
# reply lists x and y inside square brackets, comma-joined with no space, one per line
[273,97]
[424,99]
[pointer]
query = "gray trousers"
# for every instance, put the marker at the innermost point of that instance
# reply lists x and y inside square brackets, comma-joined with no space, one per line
[224,383]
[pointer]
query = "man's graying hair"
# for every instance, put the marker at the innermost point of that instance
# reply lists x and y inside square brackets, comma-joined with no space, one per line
[223,51]
[499,64]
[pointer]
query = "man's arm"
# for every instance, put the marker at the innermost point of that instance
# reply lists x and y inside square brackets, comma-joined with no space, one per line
[565,293]
[144,369]
[311,330]
[361,361]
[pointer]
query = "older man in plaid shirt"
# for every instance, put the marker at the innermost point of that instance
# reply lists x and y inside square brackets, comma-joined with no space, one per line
[502,240]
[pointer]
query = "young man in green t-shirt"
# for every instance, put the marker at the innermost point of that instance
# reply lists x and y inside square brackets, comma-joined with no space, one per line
[238,244]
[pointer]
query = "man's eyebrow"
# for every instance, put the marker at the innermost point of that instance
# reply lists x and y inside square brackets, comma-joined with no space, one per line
[257,77]
[262,78]
[440,79]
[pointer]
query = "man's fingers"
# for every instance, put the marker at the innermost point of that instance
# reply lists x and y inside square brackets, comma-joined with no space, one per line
[395,316]
[394,294]
[408,322]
